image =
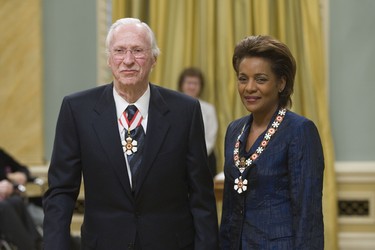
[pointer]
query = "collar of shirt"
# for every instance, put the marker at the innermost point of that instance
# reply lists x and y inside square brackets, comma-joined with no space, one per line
[142,105]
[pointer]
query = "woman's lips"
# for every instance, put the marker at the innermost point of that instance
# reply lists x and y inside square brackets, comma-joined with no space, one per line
[251,98]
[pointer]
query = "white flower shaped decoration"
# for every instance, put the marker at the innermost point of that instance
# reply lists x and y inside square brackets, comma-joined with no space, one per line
[275,124]
[130,146]
[240,185]
[259,150]
[267,136]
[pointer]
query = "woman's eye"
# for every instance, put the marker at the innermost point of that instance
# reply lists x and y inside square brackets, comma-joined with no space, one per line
[242,79]
[261,80]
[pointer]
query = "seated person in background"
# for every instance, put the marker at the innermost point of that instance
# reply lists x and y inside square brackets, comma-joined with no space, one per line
[191,82]
[16,224]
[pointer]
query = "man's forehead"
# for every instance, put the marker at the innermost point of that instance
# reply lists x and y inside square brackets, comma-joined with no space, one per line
[133,32]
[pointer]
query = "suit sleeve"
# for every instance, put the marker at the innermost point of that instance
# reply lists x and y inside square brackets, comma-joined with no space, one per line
[64,178]
[201,194]
[306,165]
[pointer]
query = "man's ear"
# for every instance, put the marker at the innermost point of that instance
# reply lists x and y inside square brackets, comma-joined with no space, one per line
[155,60]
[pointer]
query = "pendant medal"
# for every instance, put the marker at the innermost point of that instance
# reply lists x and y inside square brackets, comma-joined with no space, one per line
[240,185]
[129,145]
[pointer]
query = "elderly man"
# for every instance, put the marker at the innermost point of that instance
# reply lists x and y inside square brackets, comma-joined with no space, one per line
[141,151]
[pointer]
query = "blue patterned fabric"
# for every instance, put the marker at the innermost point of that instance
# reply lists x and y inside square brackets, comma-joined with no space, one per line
[131,110]
[282,208]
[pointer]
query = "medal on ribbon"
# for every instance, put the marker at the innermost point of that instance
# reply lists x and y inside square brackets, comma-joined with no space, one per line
[240,184]
[129,144]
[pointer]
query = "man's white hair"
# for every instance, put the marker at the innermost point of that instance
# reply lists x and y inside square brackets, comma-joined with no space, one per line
[125,21]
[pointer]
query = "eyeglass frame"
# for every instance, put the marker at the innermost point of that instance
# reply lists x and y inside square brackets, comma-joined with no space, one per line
[120,53]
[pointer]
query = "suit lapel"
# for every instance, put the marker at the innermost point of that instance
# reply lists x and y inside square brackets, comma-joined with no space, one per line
[157,127]
[106,129]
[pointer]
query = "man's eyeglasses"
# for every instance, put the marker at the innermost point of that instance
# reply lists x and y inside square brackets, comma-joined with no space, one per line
[138,53]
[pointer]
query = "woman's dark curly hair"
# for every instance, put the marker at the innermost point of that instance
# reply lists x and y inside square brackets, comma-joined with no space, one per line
[283,64]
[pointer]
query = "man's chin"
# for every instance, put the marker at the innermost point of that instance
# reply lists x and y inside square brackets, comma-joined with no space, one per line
[128,81]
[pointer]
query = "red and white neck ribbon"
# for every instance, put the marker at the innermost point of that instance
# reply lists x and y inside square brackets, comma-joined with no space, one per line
[133,123]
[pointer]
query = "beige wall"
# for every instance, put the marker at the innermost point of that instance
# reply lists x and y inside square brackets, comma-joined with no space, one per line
[21,80]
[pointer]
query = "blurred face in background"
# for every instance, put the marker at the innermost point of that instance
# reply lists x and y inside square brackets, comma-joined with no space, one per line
[191,86]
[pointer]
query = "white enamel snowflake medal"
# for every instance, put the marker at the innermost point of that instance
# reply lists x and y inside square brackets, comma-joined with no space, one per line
[240,185]
[129,145]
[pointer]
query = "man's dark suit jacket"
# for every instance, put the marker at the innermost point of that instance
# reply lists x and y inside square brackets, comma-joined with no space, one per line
[172,205]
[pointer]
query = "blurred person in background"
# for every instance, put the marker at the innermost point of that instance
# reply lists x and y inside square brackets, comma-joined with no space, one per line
[191,82]
[16,224]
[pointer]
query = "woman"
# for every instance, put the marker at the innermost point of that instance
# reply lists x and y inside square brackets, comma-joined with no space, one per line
[191,82]
[273,158]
